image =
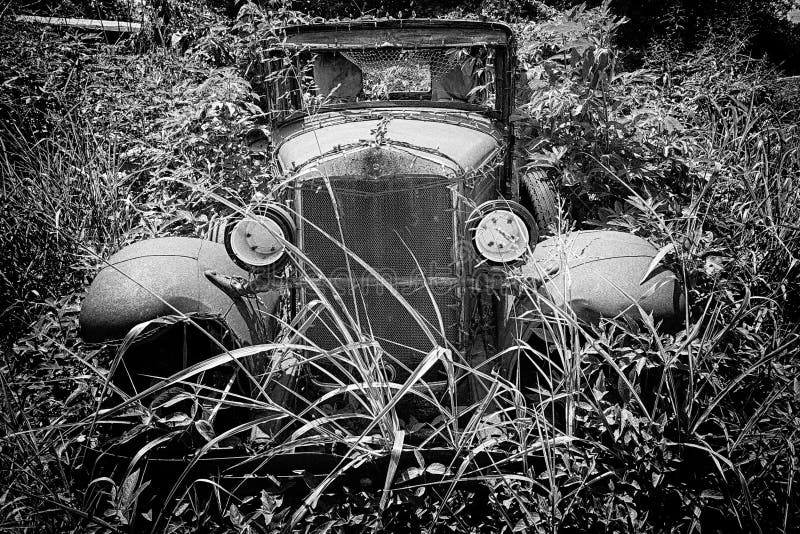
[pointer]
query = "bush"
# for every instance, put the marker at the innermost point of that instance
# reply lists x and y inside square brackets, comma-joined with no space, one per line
[708,170]
[100,147]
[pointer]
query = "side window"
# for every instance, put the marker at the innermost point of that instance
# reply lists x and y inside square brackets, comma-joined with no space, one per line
[279,82]
[337,79]
[469,81]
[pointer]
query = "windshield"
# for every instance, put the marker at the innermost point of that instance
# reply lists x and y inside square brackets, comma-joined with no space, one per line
[308,80]
[434,73]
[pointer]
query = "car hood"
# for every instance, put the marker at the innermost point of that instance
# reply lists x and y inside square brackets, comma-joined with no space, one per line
[387,142]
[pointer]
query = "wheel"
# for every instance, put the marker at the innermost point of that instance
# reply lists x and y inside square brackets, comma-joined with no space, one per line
[540,199]
[216,230]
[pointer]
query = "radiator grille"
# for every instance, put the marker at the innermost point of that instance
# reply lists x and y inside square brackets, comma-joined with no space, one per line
[379,215]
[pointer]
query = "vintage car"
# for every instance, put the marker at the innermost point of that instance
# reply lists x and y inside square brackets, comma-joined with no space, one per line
[396,224]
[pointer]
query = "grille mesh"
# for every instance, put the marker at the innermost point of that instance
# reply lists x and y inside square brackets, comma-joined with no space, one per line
[377,216]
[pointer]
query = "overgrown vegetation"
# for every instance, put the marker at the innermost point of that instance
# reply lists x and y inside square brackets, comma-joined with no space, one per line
[698,151]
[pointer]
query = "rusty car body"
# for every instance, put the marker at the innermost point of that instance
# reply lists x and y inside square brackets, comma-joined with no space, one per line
[393,150]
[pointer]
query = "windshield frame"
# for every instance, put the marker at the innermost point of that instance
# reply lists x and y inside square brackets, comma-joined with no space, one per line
[400,34]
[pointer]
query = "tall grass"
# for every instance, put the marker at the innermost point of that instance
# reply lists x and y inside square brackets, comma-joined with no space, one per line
[63,202]
[70,193]
[60,194]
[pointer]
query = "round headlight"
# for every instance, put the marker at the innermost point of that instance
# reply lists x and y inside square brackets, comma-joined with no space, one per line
[257,241]
[502,231]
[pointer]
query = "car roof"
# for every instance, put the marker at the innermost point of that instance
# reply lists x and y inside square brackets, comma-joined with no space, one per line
[398,33]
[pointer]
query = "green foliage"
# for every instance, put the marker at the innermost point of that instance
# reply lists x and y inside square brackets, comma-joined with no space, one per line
[376,8]
[93,9]
[98,152]
[584,122]
[708,169]
[98,146]
[687,25]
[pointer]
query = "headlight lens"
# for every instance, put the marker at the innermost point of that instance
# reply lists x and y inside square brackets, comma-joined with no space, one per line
[257,242]
[502,231]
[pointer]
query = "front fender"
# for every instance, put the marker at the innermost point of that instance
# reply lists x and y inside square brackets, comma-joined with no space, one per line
[598,274]
[160,277]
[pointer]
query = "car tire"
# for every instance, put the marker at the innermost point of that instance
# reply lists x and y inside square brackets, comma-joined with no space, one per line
[216,230]
[539,197]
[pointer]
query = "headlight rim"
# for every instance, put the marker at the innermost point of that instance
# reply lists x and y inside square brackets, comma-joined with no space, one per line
[483,210]
[285,222]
